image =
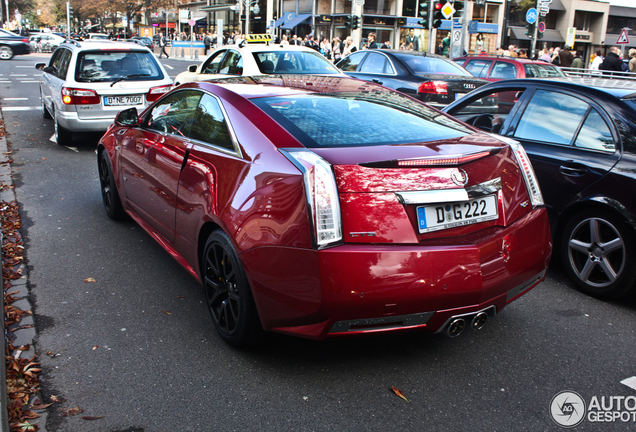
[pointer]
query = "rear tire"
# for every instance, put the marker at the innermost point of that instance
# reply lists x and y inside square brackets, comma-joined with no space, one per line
[63,136]
[598,253]
[110,195]
[45,112]
[228,294]
[6,53]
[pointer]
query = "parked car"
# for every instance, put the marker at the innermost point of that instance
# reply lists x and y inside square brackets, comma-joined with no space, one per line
[496,68]
[145,40]
[136,41]
[87,83]
[45,42]
[251,59]
[323,206]
[580,136]
[431,78]
[12,44]
[96,36]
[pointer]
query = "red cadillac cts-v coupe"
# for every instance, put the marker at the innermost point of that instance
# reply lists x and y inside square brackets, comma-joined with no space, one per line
[328,206]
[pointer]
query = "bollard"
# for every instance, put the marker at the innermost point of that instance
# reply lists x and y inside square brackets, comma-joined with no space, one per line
[182,53]
[196,53]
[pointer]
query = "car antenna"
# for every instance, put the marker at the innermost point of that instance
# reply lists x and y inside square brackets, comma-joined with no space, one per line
[242,43]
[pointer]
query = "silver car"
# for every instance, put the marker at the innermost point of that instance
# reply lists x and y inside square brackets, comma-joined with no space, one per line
[87,83]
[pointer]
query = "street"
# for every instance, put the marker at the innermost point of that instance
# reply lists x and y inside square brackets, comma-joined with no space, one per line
[138,346]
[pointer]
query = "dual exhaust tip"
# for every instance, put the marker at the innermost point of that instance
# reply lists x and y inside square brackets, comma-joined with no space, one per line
[457,326]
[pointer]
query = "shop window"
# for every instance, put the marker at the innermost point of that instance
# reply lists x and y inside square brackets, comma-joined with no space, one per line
[342,6]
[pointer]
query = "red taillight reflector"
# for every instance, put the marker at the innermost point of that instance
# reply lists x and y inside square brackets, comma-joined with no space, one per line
[71,96]
[25,40]
[443,161]
[434,87]
[156,92]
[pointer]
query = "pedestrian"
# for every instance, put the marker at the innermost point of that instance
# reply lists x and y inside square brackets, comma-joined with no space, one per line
[555,57]
[479,43]
[349,47]
[162,45]
[612,61]
[546,57]
[207,41]
[632,60]
[446,45]
[387,45]
[371,41]
[336,47]
[411,38]
[326,46]
[577,62]
[565,57]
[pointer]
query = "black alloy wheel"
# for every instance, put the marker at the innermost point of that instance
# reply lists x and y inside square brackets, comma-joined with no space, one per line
[110,196]
[227,292]
[598,253]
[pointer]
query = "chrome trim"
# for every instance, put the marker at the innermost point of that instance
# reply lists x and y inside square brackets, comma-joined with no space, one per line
[486,188]
[393,321]
[432,196]
[490,310]
[524,286]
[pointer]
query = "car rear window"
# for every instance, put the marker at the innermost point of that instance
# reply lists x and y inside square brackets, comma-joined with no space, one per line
[430,65]
[345,120]
[104,65]
[542,71]
[294,62]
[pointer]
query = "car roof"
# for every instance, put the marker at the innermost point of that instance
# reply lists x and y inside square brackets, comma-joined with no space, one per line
[103,45]
[260,47]
[402,53]
[505,58]
[620,88]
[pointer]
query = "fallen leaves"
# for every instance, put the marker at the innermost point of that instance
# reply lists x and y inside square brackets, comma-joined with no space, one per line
[166,312]
[399,393]
[89,280]
[66,412]
[93,418]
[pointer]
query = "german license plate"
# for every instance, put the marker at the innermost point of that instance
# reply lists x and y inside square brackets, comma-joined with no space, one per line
[123,100]
[441,216]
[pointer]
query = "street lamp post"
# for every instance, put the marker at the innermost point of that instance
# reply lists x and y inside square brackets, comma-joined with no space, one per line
[247,6]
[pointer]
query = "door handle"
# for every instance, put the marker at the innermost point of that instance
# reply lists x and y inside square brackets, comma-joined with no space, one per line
[377,81]
[577,170]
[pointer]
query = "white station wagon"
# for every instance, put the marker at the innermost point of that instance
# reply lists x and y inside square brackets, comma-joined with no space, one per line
[87,83]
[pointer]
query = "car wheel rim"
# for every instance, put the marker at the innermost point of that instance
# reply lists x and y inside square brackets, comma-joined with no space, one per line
[597,252]
[5,53]
[104,178]
[221,289]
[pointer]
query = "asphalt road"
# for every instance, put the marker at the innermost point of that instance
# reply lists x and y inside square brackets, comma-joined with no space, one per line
[138,347]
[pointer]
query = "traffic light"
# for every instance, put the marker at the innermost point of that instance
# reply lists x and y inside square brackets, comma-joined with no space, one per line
[530,29]
[424,9]
[437,15]
[355,22]
[348,21]
[458,5]
[70,12]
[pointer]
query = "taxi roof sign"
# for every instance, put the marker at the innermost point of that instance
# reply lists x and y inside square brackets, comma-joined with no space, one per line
[256,38]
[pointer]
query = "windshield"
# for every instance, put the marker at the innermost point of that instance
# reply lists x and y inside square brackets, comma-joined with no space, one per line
[431,65]
[359,119]
[104,66]
[294,62]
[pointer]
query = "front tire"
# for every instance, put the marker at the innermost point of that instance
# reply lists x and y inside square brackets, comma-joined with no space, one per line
[227,292]
[597,251]
[110,196]
[6,53]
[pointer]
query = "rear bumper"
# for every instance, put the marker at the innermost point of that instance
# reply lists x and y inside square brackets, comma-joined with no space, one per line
[69,120]
[356,289]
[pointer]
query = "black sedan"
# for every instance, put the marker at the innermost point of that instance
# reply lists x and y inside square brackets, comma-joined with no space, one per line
[580,136]
[12,44]
[431,78]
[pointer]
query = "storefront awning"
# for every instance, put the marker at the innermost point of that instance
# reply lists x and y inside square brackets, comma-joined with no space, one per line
[548,36]
[299,19]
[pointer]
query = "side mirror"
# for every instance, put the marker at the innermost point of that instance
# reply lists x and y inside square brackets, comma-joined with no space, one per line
[40,66]
[127,117]
[192,68]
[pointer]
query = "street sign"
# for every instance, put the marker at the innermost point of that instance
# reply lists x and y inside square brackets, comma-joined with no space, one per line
[531,16]
[192,22]
[541,27]
[570,36]
[448,10]
[622,38]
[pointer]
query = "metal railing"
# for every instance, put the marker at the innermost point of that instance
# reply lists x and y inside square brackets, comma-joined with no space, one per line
[587,73]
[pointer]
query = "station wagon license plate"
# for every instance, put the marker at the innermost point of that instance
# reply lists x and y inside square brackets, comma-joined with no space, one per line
[441,216]
[123,100]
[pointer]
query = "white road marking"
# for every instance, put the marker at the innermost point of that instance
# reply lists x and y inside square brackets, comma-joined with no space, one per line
[630,382]
[29,82]
[24,67]
[73,149]
[168,66]
[20,108]
[53,138]
[18,75]
[12,99]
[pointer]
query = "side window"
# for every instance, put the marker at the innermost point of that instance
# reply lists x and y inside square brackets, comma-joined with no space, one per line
[551,117]
[479,68]
[351,62]
[210,125]
[374,63]
[57,57]
[64,63]
[212,64]
[175,113]
[595,134]
[503,70]
[232,64]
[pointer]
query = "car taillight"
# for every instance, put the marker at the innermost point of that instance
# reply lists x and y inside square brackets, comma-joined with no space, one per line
[72,96]
[434,87]
[532,184]
[322,195]
[156,92]
[25,40]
